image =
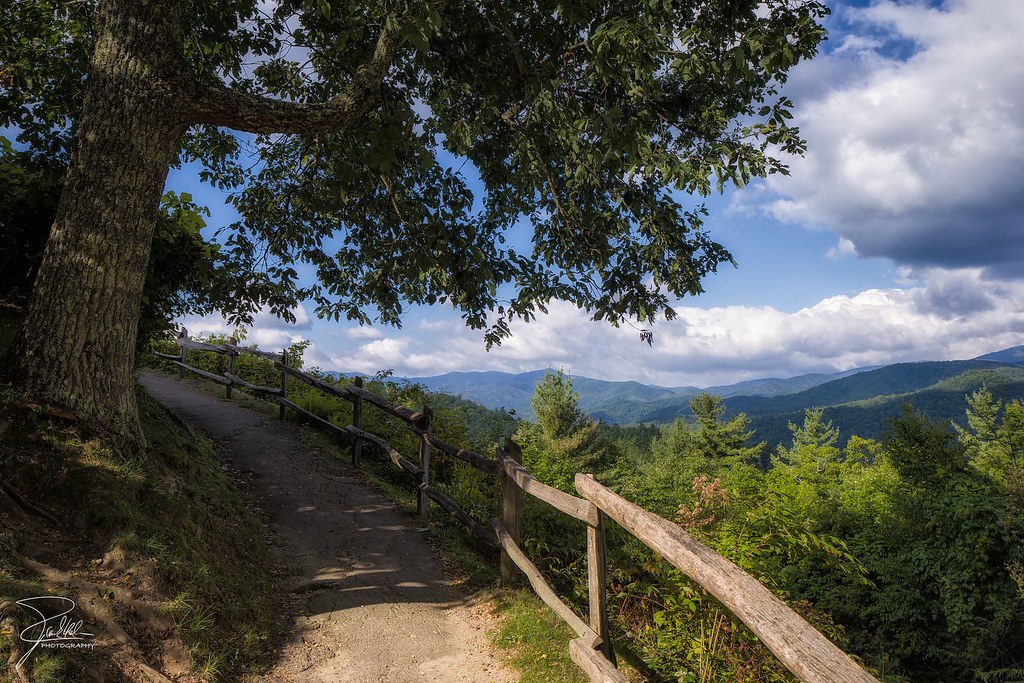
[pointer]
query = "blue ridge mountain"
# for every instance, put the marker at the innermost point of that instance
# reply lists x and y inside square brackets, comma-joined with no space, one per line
[858,401]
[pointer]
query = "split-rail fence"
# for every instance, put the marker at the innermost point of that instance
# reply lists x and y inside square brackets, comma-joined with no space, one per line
[799,646]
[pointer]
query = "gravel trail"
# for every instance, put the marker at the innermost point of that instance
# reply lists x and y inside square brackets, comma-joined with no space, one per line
[368,599]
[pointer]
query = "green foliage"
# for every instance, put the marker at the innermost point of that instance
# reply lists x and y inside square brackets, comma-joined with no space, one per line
[994,437]
[556,406]
[589,120]
[29,191]
[710,446]
[43,57]
[722,441]
[674,626]
[936,540]
[565,440]
[902,552]
[484,427]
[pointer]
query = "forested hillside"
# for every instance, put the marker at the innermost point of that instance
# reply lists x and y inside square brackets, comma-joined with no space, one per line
[856,402]
[944,400]
[906,550]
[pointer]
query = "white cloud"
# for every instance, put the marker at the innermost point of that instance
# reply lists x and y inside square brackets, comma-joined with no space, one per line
[267,331]
[844,248]
[920,159]
[938,314]
[944,314]
[363,333]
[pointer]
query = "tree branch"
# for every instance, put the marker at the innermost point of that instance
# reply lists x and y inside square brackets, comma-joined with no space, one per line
[220,105]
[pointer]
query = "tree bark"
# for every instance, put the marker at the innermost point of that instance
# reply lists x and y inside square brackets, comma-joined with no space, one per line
[76,347]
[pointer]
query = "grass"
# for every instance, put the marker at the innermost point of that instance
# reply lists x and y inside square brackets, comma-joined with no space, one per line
[209,548]
[171,512]
[537,639]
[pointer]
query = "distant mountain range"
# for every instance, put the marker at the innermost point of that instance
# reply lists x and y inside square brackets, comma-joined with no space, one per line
[857,401]
[621,402]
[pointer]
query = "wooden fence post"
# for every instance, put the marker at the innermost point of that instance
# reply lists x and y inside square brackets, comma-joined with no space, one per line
[511,504]
[184,353]
[357,422]
[281,410]
[231,345]
[597,583]
[421,497]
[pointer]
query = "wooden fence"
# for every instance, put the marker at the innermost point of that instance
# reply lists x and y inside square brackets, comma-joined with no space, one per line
[802,649]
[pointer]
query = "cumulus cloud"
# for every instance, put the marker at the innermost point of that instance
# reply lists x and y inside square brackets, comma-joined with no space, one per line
[943,314]
[844,248]
[918,157]
[267,330]
[938,314]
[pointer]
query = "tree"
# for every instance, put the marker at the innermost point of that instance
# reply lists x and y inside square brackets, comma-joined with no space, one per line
[586,118]
[185,274]
[556,406]
[711,447]
[565,440]
[946,606]
[723,442]
[809,470]
[994,437]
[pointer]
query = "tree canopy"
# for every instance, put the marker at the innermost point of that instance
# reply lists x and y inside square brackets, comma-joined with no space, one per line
[589,120]
[381,154]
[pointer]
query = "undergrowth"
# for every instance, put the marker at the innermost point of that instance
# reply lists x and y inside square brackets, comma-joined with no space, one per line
[170,508]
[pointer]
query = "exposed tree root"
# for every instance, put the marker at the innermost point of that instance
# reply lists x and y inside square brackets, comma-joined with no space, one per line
[62,414]
[85,669]
[17,501]
[88,598]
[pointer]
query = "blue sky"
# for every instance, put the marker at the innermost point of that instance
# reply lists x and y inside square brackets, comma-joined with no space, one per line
[898,237]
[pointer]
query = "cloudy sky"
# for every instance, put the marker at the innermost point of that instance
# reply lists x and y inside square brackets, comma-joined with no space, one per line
[898,237]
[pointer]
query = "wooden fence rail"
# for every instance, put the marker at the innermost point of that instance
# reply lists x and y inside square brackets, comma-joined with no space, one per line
[802,649]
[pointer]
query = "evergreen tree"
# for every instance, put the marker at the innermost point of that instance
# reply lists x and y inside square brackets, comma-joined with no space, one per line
[810,468]
[994,437]
[724,442]
[556,406]
[564,440]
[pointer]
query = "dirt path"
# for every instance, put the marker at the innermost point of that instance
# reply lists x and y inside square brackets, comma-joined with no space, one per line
[369,600]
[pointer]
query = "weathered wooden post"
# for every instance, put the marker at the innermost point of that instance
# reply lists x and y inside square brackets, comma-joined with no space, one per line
[511,505]
[597,582]
[183,337]
[281,410]
[357,422]
[232,347]
[428,426]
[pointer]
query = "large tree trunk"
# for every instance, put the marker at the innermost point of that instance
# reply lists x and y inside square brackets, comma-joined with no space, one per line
[76,348]
[77,344]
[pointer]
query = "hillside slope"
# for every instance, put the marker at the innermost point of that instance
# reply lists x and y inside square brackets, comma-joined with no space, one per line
[1013,355]
[619,402]
[869,418]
